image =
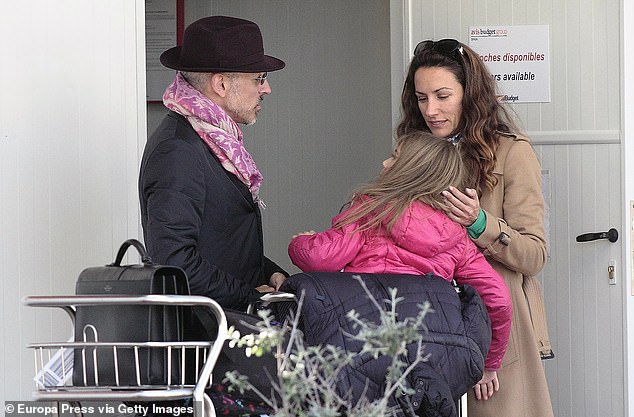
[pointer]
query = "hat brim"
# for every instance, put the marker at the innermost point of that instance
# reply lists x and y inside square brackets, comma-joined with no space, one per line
[171,59]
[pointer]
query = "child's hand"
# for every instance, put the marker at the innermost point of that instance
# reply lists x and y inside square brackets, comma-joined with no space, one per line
[489,384]
[306,233]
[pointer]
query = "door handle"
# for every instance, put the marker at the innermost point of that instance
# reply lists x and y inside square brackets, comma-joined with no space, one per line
[612,235]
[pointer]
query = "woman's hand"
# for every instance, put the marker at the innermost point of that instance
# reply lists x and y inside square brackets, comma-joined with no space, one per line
[489,384]
[463,207]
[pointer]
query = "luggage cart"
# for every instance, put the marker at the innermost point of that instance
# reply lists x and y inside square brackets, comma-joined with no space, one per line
[462,406]
[57,362]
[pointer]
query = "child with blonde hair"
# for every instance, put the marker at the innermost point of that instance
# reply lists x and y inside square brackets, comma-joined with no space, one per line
[396,224]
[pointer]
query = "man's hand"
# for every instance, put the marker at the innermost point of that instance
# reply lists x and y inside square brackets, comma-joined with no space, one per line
[276,280]
[265,288]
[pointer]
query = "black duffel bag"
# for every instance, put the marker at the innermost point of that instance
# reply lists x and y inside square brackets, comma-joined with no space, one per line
[129,323]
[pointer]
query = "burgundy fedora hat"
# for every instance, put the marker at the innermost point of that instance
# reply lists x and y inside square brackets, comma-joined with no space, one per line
[219,44]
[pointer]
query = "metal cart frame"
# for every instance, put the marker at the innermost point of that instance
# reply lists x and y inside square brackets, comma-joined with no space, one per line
[65,391]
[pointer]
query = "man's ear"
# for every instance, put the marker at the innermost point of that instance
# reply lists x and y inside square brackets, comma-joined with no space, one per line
[219,84]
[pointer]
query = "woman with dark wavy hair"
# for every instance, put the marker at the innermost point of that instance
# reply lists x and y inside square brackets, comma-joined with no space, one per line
[450,93]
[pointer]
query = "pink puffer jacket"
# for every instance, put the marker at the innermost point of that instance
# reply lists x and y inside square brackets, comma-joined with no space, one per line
[422,240]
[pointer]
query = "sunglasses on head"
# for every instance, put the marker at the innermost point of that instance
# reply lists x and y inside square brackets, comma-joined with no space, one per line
[447,47]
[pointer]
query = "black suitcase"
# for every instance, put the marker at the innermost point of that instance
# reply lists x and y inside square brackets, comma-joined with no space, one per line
[134,323]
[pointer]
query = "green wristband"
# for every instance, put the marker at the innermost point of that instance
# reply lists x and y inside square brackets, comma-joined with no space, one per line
[478,226]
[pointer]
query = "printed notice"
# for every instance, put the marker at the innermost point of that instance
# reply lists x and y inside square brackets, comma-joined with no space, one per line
[518,57]
[160,35]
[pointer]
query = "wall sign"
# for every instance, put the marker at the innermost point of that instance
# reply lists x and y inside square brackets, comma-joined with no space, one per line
[163,30]
[518,58]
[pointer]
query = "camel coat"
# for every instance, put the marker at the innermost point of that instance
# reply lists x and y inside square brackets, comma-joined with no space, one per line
[515,245]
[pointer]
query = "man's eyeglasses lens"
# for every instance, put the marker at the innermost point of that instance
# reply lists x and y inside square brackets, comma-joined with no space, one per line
[446,47]
[261,79]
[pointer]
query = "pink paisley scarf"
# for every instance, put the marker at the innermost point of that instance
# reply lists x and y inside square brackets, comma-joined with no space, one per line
[218,131]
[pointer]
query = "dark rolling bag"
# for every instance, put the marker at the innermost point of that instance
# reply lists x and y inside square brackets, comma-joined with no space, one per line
[135,323]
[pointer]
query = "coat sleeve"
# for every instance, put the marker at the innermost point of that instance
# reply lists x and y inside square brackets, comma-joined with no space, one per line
[327,251]
[174,188]
[518,239]
[476,271]
[271,267]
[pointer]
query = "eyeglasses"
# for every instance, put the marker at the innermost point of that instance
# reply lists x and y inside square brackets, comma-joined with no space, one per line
[447,47]
[261,79]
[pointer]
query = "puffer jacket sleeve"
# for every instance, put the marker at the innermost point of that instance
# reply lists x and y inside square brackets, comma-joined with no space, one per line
[518,239]
[476,271]
[327,251]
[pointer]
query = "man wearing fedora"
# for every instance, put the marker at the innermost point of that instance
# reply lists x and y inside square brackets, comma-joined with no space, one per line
[198,185]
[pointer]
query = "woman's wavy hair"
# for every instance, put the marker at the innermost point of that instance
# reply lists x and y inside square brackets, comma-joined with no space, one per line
[426,165]
[483,116]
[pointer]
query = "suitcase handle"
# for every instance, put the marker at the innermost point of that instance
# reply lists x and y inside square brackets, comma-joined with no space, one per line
[145,258]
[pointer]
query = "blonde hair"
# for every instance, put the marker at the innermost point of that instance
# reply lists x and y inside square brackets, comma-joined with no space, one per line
[426,165]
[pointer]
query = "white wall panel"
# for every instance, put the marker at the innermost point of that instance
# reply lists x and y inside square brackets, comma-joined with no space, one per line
[69,136]
[627,94]
[585,45]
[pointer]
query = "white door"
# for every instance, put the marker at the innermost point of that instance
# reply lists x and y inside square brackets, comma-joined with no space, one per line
[583,295]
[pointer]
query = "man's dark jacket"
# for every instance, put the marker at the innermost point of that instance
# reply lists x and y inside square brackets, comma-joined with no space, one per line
[200,217]
[456,336]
